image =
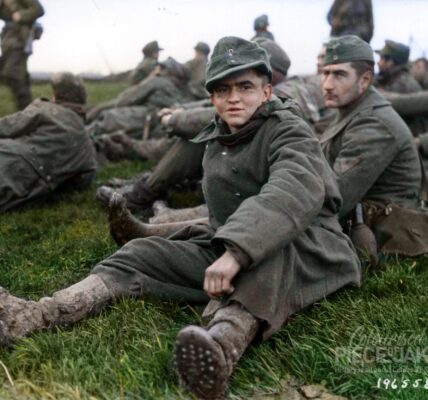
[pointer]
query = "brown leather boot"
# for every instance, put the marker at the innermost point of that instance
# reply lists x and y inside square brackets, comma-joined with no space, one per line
[205,358]
[123,225]
[19,317]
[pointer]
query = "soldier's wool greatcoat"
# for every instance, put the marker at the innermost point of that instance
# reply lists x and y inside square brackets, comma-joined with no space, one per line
[272,196]
[41,148]
[372,153]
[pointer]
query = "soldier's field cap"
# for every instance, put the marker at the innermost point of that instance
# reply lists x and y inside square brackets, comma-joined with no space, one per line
[68,88]
[398,52]
[347,48]
[232,54]
[151,47]
[261,22]
[278,58]
[203,48]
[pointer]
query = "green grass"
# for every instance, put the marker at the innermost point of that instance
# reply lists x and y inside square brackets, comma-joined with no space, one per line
[126,352]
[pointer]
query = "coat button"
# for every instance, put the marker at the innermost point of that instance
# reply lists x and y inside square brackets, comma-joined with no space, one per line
[223,153]
[234,170]
[237,194]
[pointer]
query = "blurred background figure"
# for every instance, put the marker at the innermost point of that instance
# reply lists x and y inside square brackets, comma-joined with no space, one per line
[147,65]
[197,66]
[419,71]
[394,75]
[17,37]
[45,149]
[261,24]
[351,17]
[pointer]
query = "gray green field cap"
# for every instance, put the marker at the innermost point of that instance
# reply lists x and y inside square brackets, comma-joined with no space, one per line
[232,54]
[347,48]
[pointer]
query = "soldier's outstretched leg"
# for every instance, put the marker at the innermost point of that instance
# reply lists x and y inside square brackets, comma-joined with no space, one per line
[19,317]
[125,227]
[205,357]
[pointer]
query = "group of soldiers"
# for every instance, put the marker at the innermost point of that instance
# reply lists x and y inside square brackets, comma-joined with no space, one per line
[292,168]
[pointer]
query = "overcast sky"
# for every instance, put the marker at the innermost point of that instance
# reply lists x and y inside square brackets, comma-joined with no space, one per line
[107,35]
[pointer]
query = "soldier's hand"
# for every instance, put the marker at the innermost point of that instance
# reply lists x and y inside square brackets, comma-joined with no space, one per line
[219,276]
[16,16]
[417,142]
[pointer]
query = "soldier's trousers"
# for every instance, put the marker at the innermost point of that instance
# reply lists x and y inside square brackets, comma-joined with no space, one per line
[160,268]
[182,161]
[317,263]
[14,74]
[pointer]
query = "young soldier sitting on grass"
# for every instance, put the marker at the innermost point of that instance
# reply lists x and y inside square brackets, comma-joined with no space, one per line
[273,246]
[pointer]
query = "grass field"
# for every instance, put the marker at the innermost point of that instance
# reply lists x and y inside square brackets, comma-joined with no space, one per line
[352,343]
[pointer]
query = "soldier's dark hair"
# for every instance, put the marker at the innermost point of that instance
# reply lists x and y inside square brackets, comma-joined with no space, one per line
[422,59]
[363,66]
[261,74]
[68,88]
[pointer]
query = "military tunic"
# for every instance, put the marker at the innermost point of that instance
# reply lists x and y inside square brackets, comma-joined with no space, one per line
[372,154]
[42,148]
[16,38]
[271,194]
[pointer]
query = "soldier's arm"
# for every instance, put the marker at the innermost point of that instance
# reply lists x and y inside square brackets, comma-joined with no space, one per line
[20,123]
[188,123]
[137,94]
[31,11]
[367,148]
[410,104]
[422,143]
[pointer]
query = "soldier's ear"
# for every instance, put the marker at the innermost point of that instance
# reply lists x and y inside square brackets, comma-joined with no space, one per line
[267,92]
[365,80]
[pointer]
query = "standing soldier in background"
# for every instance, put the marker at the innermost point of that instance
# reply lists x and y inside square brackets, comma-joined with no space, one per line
[260,26]
[150,60]
[351,17]
[16,45]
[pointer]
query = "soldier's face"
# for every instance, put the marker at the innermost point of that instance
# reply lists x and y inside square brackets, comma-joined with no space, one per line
[385,64]
[342,86]
[419,70]
[236,98]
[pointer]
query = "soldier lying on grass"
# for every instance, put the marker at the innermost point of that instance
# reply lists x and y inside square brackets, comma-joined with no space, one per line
[45,148]
[273,245]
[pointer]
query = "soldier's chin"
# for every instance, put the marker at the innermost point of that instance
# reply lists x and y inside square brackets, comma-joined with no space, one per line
[330,103]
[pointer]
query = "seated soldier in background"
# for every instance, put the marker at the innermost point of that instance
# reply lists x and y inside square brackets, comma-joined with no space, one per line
[419,71]
[165,87]
[148,64]
[273,246]
[197,68]
[45,147]
[371,150]
[394,75]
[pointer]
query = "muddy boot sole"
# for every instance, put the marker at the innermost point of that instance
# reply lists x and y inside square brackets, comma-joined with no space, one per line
[200,363]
